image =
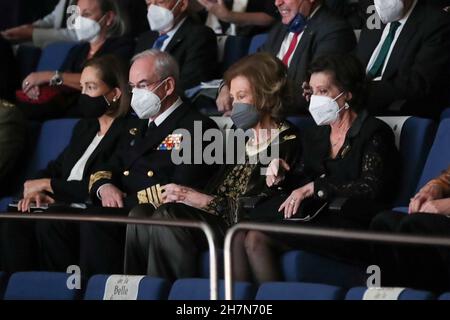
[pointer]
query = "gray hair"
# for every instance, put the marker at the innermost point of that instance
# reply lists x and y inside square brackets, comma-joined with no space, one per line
[165,64]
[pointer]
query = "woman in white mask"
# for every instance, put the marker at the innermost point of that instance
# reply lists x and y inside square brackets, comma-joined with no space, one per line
[100,29]
[348,155]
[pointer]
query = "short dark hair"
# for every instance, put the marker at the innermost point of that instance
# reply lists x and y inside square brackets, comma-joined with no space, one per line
[114,73]
[348,75]
[268,78]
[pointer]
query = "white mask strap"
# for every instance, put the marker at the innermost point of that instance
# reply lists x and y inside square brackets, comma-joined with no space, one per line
[340,95]
[176,4]
[157,87]
[346,106]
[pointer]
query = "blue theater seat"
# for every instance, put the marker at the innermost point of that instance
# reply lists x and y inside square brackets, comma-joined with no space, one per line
[298,291]
[439,155]
[257,42]
[53,56]
[414,142]
[4,202]
[204,264]
[407,294]
[54,136]
[445,114]
[198,289]
[445,296]
[149,288]
[304,266]
[47,142]
[40,286]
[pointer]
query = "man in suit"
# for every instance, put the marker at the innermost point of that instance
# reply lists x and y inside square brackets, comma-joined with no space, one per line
[407,60]
[308,29]
[193,45]
[136,171]
[51,28]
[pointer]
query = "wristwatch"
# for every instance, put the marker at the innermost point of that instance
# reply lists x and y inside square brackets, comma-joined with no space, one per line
[57,79]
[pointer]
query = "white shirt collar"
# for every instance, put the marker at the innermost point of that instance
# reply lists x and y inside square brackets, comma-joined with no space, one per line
[163,116]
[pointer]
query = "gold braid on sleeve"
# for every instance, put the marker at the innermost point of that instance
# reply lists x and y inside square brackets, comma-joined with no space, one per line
[98,176]
[150,195]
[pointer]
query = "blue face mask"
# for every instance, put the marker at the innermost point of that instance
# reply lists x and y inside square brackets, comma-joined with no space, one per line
[297,24]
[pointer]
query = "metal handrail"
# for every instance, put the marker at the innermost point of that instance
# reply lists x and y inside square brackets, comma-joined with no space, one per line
[318,232]
[207,230]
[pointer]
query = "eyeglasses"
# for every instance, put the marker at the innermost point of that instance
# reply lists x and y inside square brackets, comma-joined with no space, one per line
[144,84]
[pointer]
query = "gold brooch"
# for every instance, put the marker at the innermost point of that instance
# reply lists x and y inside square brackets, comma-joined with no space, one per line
[292,136]
[134,131]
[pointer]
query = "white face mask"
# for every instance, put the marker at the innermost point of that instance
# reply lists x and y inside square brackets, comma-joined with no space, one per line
[389,10]
[87,29]
[160,19]
[325,110]
[146,103]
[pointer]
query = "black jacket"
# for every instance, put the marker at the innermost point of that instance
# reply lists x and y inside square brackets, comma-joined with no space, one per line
[194,47]
[59,169]
[325,33]
[417,76]
[121,47]
[140,167]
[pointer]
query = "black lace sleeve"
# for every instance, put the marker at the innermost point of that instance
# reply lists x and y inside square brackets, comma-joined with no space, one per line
[376,171]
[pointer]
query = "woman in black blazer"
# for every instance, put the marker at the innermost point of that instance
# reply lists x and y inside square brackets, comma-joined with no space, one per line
[104,103]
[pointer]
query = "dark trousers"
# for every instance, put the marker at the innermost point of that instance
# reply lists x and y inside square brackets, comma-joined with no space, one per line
[165,252]
[421,267]
[96,247]
[18,247]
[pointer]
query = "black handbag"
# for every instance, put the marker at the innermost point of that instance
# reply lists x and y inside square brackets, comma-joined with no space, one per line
[309,209]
